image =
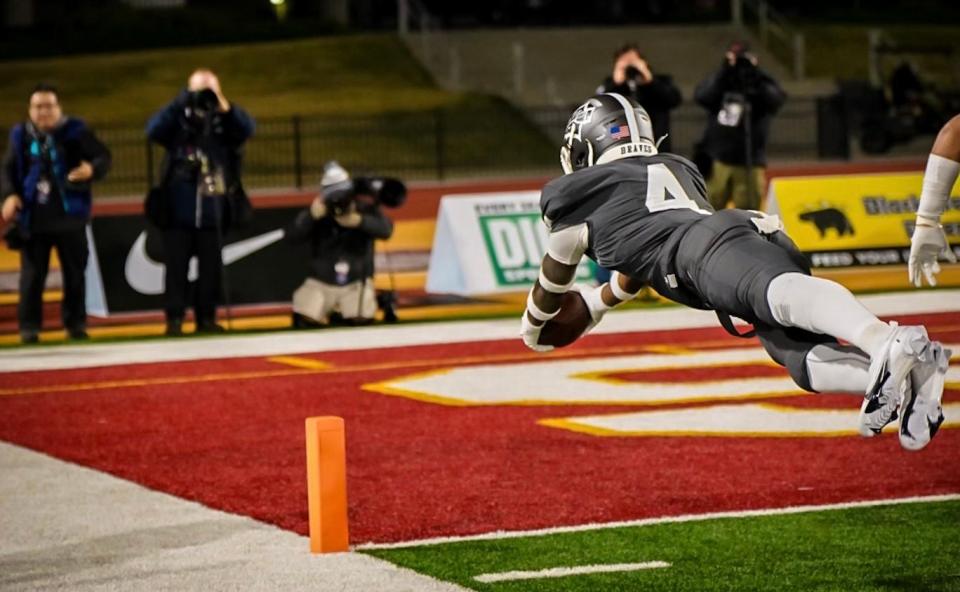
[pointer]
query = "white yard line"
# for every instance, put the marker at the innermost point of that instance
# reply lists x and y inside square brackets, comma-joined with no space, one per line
[512,534]
[562,572]
[66,527]
[290,342]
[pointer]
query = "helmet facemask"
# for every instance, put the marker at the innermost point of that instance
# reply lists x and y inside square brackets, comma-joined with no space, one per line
[577,153]
[605,128]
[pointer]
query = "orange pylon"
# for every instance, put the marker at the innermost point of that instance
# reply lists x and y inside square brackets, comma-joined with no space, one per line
[327,484]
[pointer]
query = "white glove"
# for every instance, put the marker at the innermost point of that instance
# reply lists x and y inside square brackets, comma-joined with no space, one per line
[928,244]
[531,334]
[595,304]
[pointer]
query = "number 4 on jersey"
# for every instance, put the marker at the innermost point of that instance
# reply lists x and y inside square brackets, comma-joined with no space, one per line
[664,191]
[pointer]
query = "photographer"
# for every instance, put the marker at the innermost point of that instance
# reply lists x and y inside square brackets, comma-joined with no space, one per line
[342,224]
[632,77]
[741,100]
[45,181]
[200,193]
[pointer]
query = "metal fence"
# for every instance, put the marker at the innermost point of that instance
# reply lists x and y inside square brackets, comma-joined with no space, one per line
[433,145]
[793,133]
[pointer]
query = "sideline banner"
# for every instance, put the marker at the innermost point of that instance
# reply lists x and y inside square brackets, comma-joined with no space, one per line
[125,271]
[855,220]
[489,243]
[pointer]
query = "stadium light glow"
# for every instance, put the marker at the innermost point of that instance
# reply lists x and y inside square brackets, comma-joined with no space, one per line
[277,2]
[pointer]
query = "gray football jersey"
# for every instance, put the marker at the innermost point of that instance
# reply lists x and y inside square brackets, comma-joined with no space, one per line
[635,210]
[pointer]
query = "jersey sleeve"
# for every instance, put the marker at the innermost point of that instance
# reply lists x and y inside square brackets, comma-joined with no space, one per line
[562,196]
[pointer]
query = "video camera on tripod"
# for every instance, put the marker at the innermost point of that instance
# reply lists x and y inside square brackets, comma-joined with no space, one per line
[340,191]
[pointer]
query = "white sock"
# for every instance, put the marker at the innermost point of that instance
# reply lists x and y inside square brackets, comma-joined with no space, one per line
[838,369]
[825,307]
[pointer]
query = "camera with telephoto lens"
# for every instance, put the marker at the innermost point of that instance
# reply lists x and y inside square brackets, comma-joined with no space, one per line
[388,192]
[200,105]
[744,72]
[339,196]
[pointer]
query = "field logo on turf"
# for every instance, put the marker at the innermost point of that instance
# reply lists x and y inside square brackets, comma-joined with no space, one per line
[712,392]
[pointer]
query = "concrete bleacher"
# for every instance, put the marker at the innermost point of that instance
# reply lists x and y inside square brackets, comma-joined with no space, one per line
[561,66]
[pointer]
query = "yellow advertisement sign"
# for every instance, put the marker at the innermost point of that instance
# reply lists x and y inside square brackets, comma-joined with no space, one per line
[856,220]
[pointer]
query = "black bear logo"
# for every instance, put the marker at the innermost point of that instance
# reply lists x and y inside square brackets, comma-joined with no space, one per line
[828,218]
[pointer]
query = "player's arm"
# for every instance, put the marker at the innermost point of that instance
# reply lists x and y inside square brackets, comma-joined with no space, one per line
[929,242]
[557,275]
[621,288]
[558,271]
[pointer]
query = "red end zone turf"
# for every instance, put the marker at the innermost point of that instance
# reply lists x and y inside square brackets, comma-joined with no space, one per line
[418,469]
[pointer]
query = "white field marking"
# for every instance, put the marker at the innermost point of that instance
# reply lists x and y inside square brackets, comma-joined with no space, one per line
[587,380]
[513,534]
[353,338]
[561,381]
[761,420]
[562,572]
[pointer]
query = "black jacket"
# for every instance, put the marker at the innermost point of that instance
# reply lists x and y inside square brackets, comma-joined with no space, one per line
[658,97]
[221,141]
[331,243]
[727,143]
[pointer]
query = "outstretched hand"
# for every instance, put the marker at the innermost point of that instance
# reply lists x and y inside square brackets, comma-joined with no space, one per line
[928,244]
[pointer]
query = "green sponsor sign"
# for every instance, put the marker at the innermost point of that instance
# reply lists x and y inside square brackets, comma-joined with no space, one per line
[516,244]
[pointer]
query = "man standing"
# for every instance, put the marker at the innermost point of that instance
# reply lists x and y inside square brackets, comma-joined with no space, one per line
[50,163]
[632,77]
[741,100]
[202,133]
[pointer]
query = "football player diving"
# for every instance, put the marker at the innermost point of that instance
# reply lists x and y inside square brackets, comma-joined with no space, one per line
[646,216]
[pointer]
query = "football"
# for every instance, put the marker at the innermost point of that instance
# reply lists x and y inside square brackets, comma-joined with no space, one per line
[566,327]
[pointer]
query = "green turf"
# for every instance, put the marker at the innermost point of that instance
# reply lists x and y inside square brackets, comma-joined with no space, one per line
[907,547]
[362,99]
[840,51]
[331,75]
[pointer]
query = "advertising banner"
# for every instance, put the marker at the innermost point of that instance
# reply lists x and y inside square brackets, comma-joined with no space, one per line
[856,220]
[489,243]
[126,272]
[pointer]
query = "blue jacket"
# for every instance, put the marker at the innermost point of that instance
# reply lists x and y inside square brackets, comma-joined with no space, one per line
[71,142]
[221,142]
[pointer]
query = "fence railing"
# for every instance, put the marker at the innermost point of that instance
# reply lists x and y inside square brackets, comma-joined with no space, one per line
[776,33]
[793,133]
[432,145]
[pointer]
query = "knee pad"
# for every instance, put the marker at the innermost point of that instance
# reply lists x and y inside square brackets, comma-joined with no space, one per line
[790,348]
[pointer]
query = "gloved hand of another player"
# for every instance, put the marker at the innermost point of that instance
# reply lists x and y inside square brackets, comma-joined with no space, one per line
[531,334]
[928,244]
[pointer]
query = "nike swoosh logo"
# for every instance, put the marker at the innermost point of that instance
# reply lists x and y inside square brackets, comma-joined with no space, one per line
[146,276]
